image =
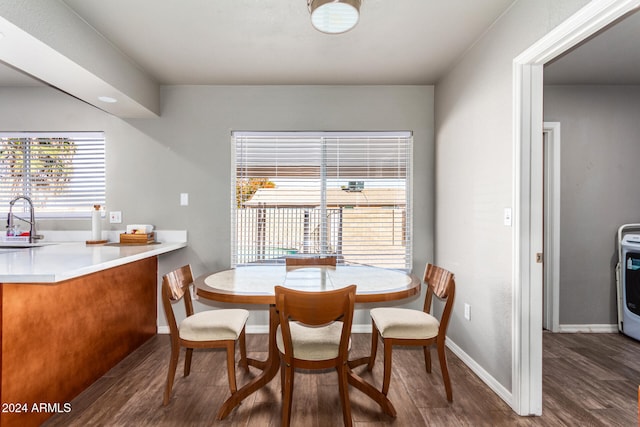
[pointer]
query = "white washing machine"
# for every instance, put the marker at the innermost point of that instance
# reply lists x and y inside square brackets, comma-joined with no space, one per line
[629,286]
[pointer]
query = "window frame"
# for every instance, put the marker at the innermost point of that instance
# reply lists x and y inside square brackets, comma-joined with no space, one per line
[407,144]
[68,211]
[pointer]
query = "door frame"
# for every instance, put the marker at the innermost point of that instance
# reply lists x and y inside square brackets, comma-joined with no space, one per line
[528,229]
[551,225]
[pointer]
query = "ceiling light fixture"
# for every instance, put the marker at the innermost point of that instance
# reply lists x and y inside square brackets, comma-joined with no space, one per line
[334,16]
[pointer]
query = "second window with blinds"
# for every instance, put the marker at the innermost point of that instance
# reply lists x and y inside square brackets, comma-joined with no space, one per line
[63,173]
[346,194]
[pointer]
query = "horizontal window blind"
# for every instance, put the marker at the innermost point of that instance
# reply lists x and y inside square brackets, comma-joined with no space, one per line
[62,172]
[342,193]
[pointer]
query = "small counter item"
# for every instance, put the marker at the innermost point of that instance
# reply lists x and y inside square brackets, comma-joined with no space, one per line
[139,228]
[138,238]
[96,223]
[96,227]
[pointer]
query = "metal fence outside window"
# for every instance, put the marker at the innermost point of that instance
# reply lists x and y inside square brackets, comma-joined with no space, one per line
[372,236]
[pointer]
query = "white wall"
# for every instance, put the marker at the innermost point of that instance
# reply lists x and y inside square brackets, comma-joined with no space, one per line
[474,180]
[599,192]
[187,149]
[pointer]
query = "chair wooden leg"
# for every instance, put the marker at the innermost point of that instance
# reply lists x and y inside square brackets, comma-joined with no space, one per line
[427,357]
[445,371]
[173,364]
[387,366]
[243,351]
[344,395]
[231,365]
[187,362]
[374,346]
[287,399]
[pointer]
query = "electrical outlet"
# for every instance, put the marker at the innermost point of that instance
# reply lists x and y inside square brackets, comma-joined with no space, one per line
[467,311]
[115,217]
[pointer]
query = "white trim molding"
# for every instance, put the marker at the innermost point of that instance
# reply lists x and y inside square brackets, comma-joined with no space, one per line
[552,225]
[527,137]
[485,376]
[588,329]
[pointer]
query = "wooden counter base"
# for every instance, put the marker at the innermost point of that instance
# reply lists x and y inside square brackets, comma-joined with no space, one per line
[57,339]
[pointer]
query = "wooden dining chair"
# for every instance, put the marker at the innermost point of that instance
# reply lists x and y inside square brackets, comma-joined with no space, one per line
[314,333]
[402,326]
[302,260]
[206,329]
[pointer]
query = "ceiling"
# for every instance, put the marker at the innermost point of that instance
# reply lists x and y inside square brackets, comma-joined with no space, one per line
[258,42]
[273,42]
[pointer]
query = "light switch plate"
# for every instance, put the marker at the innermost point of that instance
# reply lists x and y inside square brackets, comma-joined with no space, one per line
[507,217]
[184,199]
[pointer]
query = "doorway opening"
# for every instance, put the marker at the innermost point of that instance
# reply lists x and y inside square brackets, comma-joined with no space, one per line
[528,158]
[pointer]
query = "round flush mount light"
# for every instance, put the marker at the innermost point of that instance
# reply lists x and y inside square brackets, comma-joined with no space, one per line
[334,16]
[107,99]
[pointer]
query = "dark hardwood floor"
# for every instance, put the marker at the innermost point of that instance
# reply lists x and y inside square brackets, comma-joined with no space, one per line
[589,380]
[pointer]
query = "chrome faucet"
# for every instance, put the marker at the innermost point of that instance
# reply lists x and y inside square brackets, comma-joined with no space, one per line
[32,218]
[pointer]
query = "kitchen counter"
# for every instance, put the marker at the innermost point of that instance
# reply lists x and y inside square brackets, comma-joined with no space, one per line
[69,312]
[56,262]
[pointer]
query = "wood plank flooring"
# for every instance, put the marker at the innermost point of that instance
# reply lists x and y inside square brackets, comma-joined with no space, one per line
[589,380]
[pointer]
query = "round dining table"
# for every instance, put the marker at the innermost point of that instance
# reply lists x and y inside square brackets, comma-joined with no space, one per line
[255,285]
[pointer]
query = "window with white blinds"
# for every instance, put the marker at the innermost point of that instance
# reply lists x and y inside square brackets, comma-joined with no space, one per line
[62,172]
[346,194]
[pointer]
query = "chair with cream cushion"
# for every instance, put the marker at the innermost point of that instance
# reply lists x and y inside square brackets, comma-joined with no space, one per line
[402,326]
[207,329]
[314,333]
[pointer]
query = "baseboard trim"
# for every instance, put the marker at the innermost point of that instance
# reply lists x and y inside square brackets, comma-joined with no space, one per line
[596,329]
[361,329]
[487,378]
[257,329]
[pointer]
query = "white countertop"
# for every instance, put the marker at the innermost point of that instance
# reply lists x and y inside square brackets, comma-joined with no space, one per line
[60,261]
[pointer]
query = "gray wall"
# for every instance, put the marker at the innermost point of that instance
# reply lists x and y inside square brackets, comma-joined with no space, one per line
[474,180]
[600,149]
[187,150]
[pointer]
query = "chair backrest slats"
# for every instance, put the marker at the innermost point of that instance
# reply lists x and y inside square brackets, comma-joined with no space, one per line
[438,279]
[178,281]
[442,284]
[316,309]
[175,286]
[310,260]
